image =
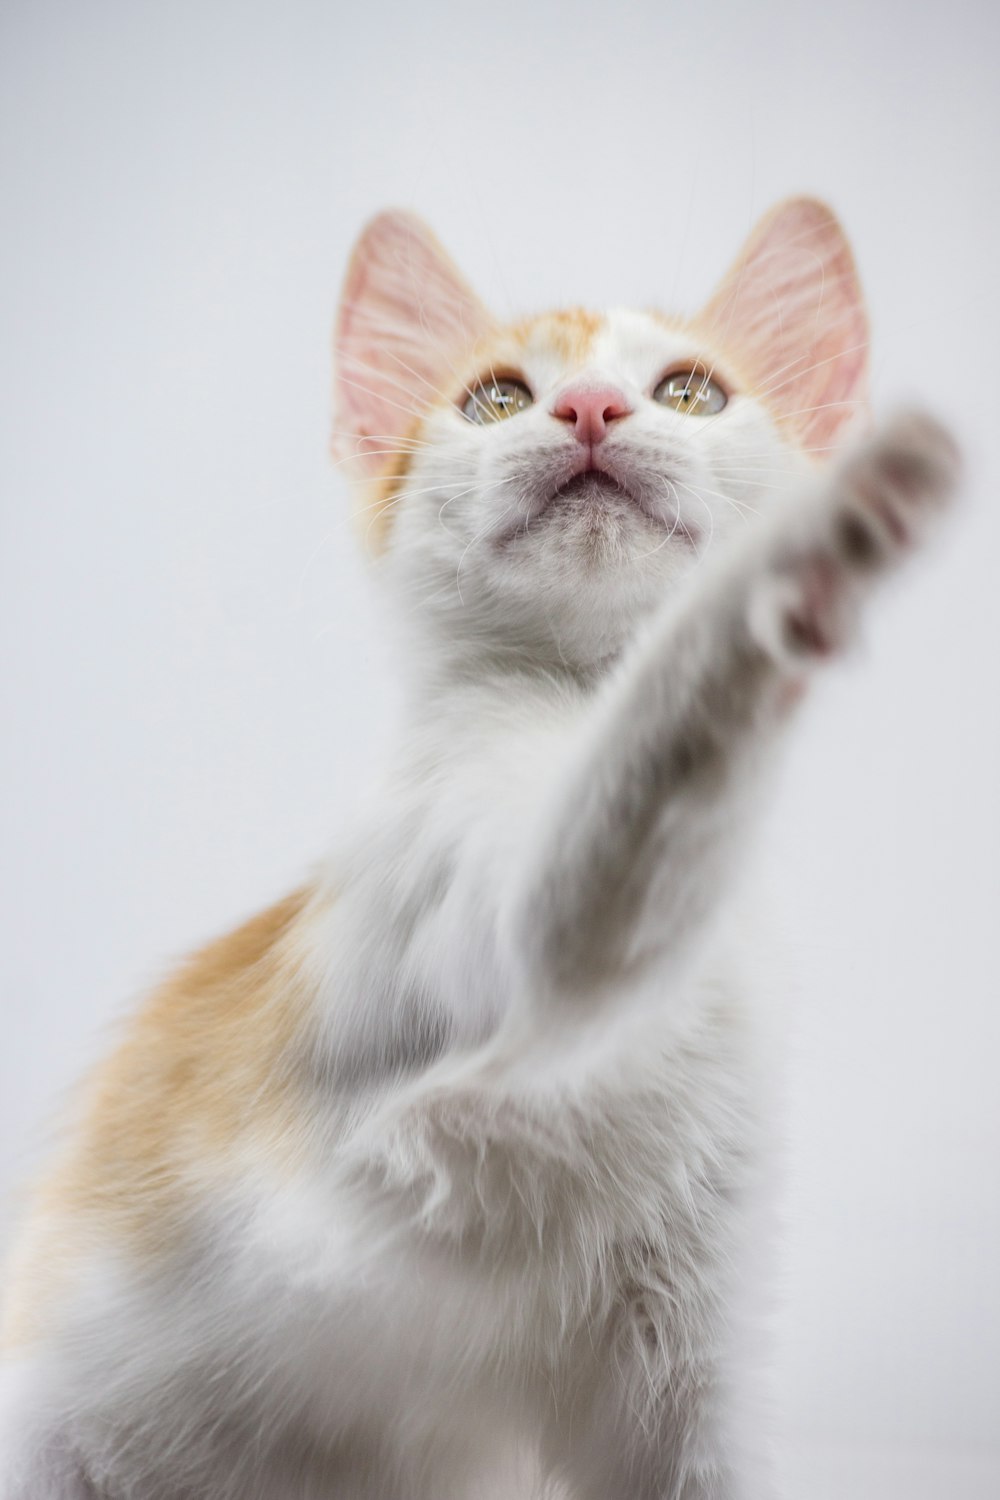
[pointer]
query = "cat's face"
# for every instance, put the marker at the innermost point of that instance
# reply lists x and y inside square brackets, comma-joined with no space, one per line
[539,487]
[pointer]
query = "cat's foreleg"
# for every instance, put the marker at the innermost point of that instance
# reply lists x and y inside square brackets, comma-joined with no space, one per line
[640,839]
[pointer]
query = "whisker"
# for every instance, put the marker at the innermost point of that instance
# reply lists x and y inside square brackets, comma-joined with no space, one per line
[398,440]
[742,507]
[490,526]
[417,414]
[769,388]
[482,489]
[338,463]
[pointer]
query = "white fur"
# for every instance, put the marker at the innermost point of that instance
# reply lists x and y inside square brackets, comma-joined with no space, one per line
[516,1259]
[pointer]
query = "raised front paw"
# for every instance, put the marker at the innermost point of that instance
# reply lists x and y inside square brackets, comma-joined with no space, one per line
[874,507]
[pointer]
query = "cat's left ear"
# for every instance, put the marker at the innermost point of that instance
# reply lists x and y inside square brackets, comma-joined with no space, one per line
[407,320]
[791,314]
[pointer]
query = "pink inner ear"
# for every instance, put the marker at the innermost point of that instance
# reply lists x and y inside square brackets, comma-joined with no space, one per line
[791,314]
[406,320]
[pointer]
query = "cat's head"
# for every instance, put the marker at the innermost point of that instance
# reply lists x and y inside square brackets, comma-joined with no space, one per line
[537,487]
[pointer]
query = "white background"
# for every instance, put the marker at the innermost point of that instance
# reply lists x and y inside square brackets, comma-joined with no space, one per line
[192,679]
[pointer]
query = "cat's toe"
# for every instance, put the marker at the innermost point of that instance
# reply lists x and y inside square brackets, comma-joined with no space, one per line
[799,614]
[892,487]
[879,502]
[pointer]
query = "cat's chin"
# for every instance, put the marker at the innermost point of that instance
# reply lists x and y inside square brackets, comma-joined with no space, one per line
[601,518]
[601,506]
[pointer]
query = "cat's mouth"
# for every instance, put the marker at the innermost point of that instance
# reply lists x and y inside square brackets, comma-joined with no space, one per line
[596,492]
[593,485]
[605,489]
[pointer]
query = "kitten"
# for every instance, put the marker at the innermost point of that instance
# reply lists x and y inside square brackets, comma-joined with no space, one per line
[436,1179]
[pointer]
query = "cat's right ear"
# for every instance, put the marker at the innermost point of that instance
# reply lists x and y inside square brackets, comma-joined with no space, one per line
[792,315]
[407,319]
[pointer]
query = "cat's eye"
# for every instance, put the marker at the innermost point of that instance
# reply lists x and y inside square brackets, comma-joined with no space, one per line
[691,391]
[495,400]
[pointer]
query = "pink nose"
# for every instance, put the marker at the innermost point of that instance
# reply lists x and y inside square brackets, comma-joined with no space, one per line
[590,408]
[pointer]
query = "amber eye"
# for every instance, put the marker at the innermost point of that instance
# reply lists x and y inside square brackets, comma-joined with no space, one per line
[692,391]
[495,400]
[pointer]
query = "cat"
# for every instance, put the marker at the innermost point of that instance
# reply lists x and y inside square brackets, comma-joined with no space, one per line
[440,1178]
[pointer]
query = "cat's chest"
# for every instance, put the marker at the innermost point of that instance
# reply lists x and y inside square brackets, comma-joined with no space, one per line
[646,1145]
[508,1221]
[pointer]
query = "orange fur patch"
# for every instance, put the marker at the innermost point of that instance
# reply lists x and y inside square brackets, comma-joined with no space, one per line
[205,1073]
[569,332]
[374,517]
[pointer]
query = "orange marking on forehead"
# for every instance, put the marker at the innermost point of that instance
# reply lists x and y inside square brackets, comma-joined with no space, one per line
[569,333]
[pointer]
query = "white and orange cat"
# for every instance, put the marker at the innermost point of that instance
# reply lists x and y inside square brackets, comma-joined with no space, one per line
[437,1180]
